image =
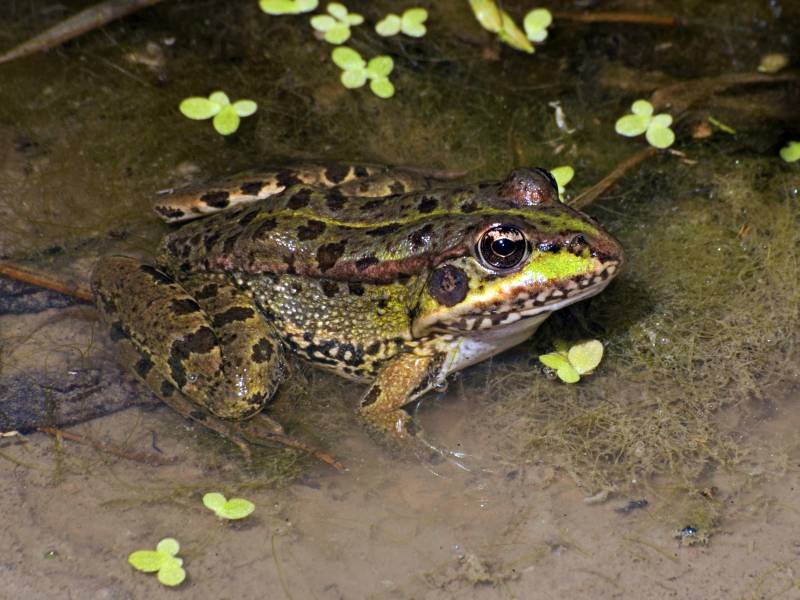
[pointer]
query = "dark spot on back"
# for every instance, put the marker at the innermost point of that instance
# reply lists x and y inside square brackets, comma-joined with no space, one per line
[383,230]
[184,306]
[287,177]
[365,263]
[264,228]
[361,172]
[216,199]
[232,315]
[262,351]
[251,188]
[335,199]
[329,288]
[207,291]
[310,230]
[374,203]
[397,187]
[427,204]
[336,173]
[469,207]
[143,366]
[157,275]
[373,348]
[371,396]
[420,237]
[328,254]
[167,389]
[300,199]
[200,341]
[356,288]
[117,333]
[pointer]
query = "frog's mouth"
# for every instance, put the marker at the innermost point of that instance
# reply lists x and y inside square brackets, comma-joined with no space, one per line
[517,303]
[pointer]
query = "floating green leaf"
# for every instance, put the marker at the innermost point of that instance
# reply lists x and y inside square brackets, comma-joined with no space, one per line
[413,21]
[389,25]
[570,363]
[288,7]
[336,24]
[235,508]
[655,127]
[512,35]
[585,356]
[355,72]
[226,115]
[488,14]
[563,175]
[536,23]
[162,560]
[791,152]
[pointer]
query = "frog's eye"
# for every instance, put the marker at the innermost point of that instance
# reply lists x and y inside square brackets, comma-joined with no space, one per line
[502,247]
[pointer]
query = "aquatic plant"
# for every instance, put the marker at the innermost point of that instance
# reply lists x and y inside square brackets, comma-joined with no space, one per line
[162,560]
[655,127]
[226,115]
[536,23]
[235,508]
[287,7]
[336,24]
[791,152]
[563,175]
[570,362]
[411,23]
[356,71]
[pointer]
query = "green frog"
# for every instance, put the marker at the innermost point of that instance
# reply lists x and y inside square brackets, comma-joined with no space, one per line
[388,277]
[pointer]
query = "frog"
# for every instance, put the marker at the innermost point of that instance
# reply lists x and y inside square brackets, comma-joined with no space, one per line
[392,278]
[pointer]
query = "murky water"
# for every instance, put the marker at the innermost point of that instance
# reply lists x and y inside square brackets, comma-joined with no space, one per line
[671,472]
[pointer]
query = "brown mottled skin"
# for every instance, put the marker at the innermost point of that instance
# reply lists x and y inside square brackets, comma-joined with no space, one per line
[329,264]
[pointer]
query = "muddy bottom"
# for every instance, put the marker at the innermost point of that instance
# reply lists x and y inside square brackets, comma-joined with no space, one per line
[469,524]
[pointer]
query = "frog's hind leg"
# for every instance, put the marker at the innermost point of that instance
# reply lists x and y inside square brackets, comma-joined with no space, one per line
[203,340]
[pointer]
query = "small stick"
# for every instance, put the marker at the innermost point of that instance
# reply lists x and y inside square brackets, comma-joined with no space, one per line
[43,280]
[89,19]
[291,442]
[141,457]
[621,17]
[590,195]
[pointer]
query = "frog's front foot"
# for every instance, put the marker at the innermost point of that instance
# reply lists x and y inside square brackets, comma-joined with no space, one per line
[404,379]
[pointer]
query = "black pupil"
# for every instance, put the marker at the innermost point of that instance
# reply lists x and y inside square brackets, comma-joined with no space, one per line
[503,246]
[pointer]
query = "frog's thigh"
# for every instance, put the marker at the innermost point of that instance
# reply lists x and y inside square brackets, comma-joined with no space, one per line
[179,340]
[402,380]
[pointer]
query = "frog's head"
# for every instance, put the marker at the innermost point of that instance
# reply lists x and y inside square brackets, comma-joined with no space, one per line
[525,255]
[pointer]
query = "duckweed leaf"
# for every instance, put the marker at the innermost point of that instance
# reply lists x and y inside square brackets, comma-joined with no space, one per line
[383,88]
[347,58]
[226,121]
[199,109]
[661,120]
[558,362]
[512,35]
[791,152]
[235,508]
[287,7]
[488,14]
[245,108]
[354,78]
[168,546]
[660,137]
[413,22]
[336,24]
[161,560]
[536,23]
[585,356]
[642,107]
[562,175]
[380,67]
[389,25]
[632,125]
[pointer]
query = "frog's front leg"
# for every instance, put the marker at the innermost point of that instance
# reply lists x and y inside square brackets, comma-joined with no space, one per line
[201,338]
[403,379]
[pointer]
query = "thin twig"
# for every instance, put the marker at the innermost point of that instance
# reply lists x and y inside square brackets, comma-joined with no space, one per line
[621,17]
[590,195]
[46,281]
[291,442]
[141,457]
[89,19]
